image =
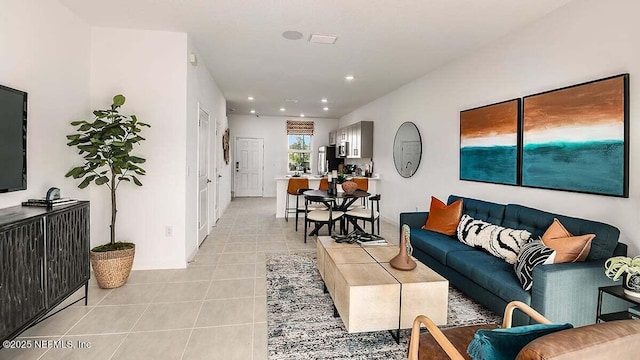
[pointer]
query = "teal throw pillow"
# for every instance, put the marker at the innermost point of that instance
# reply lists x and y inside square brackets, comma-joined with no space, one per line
[505,344]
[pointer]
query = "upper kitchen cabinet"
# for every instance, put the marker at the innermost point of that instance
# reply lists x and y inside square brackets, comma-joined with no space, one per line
[359,139]
[332,137]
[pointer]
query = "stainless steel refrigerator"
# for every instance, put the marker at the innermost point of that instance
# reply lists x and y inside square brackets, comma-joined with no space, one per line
[327,160]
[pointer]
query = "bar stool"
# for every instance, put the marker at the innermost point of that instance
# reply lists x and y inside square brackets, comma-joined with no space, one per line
[295,187]
[363,184]
[324,184]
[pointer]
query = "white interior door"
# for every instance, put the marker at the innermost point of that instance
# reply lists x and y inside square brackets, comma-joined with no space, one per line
[218,160]
[203,175]
[249,163]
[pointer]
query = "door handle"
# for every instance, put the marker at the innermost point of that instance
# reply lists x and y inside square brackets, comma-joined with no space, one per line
[208,181]
[219,175]
[237,166]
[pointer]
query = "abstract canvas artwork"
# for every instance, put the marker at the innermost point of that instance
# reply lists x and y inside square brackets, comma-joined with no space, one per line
[576,138]
[489,143]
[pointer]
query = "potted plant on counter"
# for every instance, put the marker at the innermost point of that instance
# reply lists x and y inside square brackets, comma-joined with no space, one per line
[629,269]
[106,145]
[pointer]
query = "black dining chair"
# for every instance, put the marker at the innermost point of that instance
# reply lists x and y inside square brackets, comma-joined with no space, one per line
[371,215]
[320,217]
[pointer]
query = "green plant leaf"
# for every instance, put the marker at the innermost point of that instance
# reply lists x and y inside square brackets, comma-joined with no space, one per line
[136,181]
[84,183]
[118,100]
[79,122]
[102,180]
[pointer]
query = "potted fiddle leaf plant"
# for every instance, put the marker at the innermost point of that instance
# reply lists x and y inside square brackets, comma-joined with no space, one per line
[106,145]
[629,269]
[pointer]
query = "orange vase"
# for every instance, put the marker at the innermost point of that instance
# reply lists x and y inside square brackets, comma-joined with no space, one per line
[403,260]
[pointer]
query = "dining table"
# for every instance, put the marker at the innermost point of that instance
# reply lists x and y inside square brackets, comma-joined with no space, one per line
[342,202]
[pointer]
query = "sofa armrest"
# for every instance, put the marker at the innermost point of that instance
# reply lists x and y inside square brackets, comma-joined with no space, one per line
[568,292]
[610,340]
[415,220]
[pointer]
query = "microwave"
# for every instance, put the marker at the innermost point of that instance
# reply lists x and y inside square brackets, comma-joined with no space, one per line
[342,149]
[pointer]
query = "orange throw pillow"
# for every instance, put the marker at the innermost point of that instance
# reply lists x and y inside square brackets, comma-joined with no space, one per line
[568,248]
[442,218]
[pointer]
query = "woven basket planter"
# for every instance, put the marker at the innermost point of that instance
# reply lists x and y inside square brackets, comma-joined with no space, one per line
[112,268]
[349,187]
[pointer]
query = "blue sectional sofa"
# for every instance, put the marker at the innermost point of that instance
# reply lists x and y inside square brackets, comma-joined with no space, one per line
[565,292]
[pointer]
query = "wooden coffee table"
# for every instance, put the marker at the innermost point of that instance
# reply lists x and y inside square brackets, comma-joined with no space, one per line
[370,295]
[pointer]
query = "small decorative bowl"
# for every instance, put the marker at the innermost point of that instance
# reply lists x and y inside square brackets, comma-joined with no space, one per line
[349,187]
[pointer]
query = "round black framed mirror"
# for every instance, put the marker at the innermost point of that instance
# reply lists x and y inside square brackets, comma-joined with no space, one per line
[407,149]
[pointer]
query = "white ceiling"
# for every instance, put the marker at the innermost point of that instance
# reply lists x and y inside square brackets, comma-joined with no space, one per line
[383,43]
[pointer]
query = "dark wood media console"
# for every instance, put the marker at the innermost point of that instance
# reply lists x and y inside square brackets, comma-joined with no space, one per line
[44,258]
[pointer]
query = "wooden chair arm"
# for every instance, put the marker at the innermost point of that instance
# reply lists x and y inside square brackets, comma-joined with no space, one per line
[508,313]
[447,346]
[437,334]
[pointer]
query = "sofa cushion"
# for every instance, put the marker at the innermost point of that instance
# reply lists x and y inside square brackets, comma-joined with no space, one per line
[498,241]
[555,230]
[569,248]
[537,222]
[491,273]
[436,245]
[532,254]
[481,210]
[505,344]
[443,218]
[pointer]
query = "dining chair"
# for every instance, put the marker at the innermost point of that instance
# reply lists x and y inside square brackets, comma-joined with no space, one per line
[295,187]
[320,217]
[371,215]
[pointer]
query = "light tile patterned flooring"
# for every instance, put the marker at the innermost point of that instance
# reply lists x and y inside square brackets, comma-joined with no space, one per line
[214,309]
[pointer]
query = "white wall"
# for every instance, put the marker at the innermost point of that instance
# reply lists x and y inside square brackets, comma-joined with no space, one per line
[273,129]
[582,41]
[44,50]
[203,92]
[150,69]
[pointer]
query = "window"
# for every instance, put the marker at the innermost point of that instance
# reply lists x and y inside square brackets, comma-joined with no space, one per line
[299,134]
[299,152]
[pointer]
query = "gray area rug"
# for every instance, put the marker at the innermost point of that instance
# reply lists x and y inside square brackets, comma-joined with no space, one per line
[301,323]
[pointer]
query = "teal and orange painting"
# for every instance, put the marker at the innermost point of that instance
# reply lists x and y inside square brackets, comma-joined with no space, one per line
[489,143]
[574,138]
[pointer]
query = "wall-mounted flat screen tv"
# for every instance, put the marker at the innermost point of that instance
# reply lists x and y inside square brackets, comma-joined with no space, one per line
[13,139]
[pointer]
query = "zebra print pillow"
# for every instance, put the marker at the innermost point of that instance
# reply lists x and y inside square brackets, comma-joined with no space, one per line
[532,253]
[498,241]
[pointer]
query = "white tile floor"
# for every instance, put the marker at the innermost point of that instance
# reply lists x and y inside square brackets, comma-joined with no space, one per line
[214,309]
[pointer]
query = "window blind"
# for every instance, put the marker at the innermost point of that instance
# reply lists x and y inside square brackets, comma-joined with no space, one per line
[299,127]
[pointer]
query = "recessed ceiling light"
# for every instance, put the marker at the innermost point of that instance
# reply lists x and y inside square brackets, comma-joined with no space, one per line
[253,111]
[325,108]
[282,109]
[292,35]
[349,77]
[291,100]
[250,98]
[324,100]
[323,39]
[301,115]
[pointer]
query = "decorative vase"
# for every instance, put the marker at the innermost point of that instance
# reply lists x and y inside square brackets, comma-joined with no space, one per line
[631,285]
[349,187]
[112,268]
[403,260]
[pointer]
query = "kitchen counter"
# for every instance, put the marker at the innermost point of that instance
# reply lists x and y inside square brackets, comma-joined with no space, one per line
[314,183]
